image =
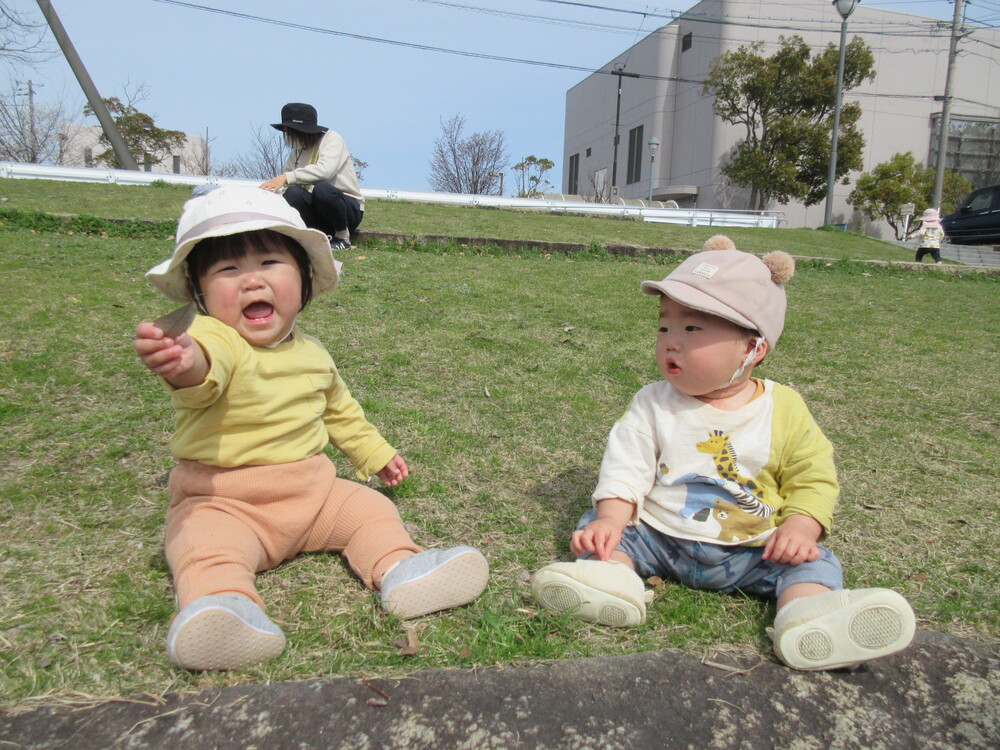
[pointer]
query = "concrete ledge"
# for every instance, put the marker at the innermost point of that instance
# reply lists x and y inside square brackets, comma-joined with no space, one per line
[942,692]
[568,248]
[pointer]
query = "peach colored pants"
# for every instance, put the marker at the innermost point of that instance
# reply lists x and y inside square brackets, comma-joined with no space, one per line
[226,525]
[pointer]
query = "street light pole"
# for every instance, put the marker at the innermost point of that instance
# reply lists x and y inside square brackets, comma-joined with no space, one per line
[844,8]
[654,144]
[945,122]
[619,71]
[500,175]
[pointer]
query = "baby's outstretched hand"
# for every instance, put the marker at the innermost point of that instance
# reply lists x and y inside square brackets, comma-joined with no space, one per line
[166,357]
[394,472]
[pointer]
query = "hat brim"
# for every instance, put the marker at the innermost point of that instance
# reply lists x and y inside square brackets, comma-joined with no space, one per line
[696,299]
[299,126]
[170,278]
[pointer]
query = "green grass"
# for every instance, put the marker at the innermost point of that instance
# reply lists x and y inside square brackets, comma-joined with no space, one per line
[498,377]
[163,204]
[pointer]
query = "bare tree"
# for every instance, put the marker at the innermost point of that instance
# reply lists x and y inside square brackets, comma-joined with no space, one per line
[22,38]
[600,187]
[467,165]
[32,131]
[264,159]
[199,159]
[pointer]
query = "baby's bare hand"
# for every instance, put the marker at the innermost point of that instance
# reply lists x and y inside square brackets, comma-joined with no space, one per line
[394,472]
[598,537]
[163,356]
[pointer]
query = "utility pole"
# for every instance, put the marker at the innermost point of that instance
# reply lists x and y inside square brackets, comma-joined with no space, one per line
[619,71]
[945,122]
[32,139]
[122,154]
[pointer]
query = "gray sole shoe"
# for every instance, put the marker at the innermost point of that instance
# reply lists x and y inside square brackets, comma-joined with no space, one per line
[433,580]
[223,632]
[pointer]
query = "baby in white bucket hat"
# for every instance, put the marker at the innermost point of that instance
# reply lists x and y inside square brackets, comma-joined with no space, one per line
[930,234]
[256,403]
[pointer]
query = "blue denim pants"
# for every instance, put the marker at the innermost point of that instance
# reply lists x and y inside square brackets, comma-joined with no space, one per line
[700,565]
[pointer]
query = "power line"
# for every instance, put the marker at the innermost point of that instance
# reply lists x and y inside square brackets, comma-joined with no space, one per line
[410,45]
[936,30]
[587,25]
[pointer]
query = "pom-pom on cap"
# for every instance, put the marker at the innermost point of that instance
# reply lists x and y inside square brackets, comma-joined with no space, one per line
[718,242]
[737,286]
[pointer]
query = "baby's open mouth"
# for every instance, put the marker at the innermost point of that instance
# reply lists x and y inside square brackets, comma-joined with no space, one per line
[258,310]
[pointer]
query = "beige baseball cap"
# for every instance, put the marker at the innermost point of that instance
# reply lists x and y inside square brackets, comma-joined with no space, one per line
[234,209]
[736,286]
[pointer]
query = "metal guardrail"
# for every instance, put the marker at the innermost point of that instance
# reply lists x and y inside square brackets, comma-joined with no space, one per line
[638,209]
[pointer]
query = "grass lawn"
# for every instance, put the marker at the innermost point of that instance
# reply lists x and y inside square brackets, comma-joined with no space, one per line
[163,203]
[498,377]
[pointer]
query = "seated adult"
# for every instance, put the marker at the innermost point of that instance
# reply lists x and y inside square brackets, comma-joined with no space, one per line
[319,180]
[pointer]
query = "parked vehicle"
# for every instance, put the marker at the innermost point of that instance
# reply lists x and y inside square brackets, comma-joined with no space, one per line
[977,220]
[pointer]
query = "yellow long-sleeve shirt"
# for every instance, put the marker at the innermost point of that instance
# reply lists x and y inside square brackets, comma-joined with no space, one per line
[262,406]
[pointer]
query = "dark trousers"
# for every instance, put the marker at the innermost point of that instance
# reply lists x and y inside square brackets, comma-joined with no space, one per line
[325,208]
[932,251]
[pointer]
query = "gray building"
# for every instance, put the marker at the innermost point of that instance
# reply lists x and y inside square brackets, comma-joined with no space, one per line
[80,144]
[900,111]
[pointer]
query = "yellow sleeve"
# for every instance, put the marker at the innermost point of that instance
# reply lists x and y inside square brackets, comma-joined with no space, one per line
[802,461]
[352,434]
[222,346]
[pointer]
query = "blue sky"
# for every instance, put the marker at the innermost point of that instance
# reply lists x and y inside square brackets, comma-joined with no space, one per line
[228,75]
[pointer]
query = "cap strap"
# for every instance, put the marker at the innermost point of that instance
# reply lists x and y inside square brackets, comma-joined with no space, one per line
[231,218]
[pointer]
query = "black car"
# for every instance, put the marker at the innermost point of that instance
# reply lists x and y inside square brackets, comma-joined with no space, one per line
[977,220]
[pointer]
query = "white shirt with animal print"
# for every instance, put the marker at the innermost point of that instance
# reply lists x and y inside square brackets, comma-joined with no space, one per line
[724,477]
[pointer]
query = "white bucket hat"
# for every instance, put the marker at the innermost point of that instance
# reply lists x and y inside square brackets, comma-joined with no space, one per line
[231,210]
[931,218]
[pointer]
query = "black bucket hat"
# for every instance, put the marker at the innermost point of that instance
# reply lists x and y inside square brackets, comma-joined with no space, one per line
[301,117]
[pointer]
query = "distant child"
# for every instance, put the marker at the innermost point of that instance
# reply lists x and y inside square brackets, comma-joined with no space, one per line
[719,480]
[931,234]
[256,403]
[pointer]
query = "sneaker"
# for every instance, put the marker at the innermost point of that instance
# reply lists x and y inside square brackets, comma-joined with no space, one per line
[860,625]
[224,631]
[605,592]
[339,244]
[432,580]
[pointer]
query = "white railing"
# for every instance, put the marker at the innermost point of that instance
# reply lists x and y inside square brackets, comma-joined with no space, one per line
[637,208]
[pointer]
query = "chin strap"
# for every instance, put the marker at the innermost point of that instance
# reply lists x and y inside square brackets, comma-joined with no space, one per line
[746,362]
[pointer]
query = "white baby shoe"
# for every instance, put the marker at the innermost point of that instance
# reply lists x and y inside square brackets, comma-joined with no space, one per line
[605,592]
[842,628]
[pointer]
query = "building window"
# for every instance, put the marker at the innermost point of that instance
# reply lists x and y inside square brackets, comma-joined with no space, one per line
[573,184]
[177,165]
[88,157]
[686,41]
[588,153]
[634,172]
[973,148]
